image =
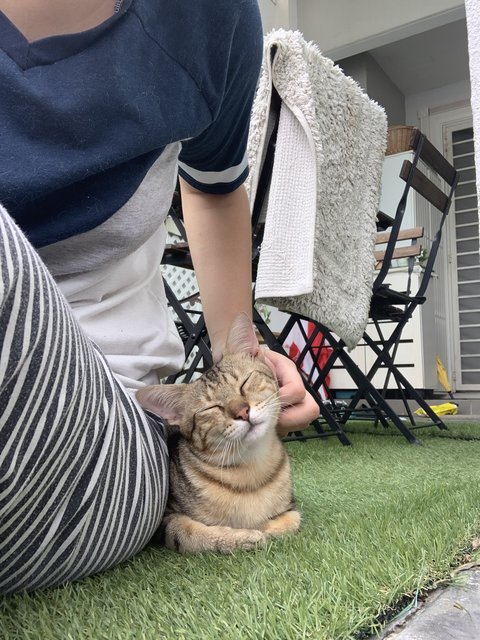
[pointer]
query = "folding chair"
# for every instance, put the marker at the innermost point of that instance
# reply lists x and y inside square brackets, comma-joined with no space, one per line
[390,307]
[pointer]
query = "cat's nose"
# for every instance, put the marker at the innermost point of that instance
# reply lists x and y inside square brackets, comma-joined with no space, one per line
[238,409]
[242,414]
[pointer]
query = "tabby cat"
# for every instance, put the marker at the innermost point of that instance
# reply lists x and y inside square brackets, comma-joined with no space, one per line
[230,483]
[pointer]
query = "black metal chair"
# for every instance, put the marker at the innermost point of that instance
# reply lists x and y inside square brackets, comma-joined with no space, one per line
[389,306]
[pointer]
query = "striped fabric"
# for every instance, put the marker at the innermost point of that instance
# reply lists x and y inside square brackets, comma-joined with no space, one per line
[83,471]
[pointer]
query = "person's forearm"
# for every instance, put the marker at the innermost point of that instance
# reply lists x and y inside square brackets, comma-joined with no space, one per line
[219,234]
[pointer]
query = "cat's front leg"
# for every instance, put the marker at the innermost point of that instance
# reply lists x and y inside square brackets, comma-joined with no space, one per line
[183,534]
[288,522]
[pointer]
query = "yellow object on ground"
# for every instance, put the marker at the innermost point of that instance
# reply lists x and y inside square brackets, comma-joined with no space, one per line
[442,376]
[445,409]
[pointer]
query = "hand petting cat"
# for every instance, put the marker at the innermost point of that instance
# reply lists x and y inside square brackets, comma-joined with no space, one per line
[298,406]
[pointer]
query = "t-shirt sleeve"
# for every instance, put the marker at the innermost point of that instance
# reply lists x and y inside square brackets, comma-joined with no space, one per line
[216,160]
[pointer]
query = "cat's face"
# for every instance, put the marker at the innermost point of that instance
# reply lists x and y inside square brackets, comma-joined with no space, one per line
[234,405]
[235,402]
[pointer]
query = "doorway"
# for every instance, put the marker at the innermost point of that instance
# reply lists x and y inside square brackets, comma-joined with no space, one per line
[452,132]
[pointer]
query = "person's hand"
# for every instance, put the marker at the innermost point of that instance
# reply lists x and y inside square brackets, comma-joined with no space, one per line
[298,406]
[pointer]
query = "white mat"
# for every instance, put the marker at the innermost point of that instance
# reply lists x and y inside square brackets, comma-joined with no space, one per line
[317,254]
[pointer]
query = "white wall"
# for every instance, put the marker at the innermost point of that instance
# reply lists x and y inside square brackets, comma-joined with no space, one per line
[418,105]
[280,13]
[346,27]
[371,77]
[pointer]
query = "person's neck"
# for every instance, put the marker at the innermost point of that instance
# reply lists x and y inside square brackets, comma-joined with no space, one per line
[37,19]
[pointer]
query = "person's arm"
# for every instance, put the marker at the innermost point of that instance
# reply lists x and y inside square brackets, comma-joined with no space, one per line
[219,234]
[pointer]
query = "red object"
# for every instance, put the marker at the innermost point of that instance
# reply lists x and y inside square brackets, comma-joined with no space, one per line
[318,352]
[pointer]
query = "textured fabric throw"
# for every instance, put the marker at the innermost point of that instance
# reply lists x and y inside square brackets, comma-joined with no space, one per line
[317,255]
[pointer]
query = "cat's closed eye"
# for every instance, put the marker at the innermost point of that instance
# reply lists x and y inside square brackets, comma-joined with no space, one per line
[257,383]
[252,381]
[247,379]
[213,406]
[207,413]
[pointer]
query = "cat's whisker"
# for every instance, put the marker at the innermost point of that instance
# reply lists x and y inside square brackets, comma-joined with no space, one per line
[236,449]
[224,456]
[271,404]
[221,465]
[225,462]
[270,399]
[275,394]
[213,454]
[220,441]
[230,458]
[239,451]
[286,405]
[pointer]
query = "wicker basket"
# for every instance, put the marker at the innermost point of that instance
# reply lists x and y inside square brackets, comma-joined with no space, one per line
[398,139]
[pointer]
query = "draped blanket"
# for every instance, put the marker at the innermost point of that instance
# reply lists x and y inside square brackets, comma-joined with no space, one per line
[317,254]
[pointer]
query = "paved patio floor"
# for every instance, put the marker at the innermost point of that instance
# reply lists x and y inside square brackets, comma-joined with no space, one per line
[451,613]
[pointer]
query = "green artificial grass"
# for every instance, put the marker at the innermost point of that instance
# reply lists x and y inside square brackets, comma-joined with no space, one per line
[424,429]
[383,521]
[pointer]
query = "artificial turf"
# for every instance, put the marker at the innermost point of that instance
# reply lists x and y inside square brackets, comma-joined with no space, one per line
[382,521]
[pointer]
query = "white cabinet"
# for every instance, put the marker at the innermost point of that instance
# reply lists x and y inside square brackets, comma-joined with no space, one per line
[424,337]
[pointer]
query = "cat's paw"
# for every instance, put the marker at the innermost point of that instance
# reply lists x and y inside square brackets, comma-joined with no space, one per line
[288,522]
[246,539]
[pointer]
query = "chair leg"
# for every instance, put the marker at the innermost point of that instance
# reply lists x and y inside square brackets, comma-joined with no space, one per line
[327,415]
[363,382]
[276,344]
[365,386]
[392,372]
[383,355]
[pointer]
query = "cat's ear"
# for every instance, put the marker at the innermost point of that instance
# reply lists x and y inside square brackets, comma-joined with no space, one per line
[166,400]
[241,337]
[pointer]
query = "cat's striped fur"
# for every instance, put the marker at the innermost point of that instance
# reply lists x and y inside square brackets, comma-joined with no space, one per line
[230,482]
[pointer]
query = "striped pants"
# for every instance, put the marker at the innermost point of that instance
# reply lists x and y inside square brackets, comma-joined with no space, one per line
[83,470]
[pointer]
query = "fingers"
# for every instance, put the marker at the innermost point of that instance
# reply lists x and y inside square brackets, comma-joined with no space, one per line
[298,417]
[299,408]
[292,390]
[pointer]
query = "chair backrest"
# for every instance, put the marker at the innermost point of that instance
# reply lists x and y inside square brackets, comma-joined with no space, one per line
[439,196]
[404,251]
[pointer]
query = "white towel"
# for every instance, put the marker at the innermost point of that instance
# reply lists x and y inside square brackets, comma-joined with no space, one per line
[473,28]
[317,254]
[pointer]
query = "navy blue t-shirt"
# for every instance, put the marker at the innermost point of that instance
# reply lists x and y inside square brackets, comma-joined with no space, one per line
[86,118]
